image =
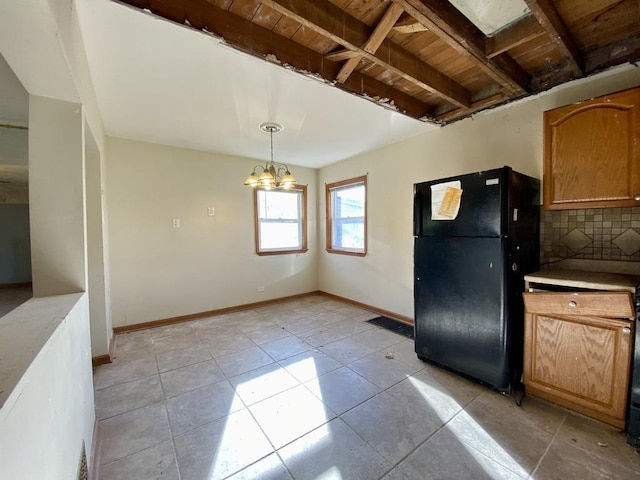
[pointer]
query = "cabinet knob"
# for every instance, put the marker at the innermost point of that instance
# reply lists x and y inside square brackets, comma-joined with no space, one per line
[637,197]
[573,304]
[626,330]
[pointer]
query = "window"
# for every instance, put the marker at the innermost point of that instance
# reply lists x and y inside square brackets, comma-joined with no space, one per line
[281,221]
[347,216]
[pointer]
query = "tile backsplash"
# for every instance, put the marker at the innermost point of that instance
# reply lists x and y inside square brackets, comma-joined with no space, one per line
[590,233]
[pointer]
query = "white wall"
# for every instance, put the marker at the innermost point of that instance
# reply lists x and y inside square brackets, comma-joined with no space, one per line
[42,431]
[507,136]
[98,272]
[209,263]
[14,157]
[15,255]
[13,146]
[57,197]
[46,388]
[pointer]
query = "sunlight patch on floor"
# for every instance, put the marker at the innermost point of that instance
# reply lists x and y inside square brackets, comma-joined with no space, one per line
[235,439]
[467,429]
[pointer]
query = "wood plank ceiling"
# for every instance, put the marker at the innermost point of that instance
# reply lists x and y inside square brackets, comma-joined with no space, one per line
[423,58]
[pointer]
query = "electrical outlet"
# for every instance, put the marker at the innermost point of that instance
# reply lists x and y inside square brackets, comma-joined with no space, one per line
[211,211]
[175,223]
[261,288]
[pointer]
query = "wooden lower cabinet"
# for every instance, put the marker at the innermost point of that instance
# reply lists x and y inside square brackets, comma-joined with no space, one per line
[578,349]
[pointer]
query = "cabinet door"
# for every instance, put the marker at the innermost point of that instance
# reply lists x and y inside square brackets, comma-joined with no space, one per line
[592,153]
[580,362]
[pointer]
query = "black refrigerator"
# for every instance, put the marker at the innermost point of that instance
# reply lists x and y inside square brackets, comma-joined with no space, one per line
[475,237]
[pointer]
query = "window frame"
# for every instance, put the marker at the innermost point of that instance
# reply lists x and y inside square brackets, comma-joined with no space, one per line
[329,216]
[303,219]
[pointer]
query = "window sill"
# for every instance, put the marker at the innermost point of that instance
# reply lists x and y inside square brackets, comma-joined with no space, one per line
[346,252]
[282,252]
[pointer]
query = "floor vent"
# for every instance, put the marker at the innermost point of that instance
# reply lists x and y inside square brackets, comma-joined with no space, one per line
[83,470]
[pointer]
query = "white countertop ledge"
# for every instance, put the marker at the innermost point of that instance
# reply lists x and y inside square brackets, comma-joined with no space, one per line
[24,332]
[585,279]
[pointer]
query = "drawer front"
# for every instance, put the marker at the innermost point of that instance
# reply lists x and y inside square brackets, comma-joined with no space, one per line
[601,304]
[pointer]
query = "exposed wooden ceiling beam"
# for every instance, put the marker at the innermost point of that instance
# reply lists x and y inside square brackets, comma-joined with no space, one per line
[408,25]
[548,16]
[259,41]
[458,113]
[381,31]
[460,33]
[627,50]
[341,55]
[524,30]
[333,23]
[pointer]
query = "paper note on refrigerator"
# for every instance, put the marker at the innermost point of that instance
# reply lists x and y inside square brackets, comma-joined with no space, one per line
[445,200]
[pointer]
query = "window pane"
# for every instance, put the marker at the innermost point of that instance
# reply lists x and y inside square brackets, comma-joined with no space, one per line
[348,217]
[277,235]
[348,201]
[280,226]
[277,205]
[349,234]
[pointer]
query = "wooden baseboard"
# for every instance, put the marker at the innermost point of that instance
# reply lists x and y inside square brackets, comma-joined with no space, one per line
[17,285]
[104,359]
[210,313]
[100,360]
[248,306]
[384,313]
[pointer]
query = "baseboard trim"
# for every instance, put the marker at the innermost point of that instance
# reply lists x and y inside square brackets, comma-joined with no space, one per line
[385,313]
[238,308]
[104,359]
[16,285]
[211,313]
[100,360]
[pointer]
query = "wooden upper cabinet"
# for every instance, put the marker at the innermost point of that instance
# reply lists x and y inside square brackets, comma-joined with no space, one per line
[592,153]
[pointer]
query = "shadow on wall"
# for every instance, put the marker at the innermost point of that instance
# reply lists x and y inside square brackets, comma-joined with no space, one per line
[15,248]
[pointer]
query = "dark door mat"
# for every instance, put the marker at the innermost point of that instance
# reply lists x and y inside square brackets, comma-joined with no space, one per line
[393,325]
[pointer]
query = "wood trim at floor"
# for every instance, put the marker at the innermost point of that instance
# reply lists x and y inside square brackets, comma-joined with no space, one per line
[385,313]
[16,285]
[105,359]
[100,360]
[210,313]
[248,306]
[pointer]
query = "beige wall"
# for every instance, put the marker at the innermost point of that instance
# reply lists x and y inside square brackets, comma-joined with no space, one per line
[209,263]
[507,136]
[57,197]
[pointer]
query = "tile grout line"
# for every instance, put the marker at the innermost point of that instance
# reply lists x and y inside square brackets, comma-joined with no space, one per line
[546,450]
[349,366]
[166,412]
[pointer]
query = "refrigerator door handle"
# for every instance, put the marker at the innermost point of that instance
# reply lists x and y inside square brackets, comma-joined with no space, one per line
[417,214]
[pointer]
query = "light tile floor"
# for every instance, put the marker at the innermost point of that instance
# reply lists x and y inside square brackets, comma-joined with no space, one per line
[303,390]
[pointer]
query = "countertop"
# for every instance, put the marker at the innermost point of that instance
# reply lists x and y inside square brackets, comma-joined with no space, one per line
[585,279]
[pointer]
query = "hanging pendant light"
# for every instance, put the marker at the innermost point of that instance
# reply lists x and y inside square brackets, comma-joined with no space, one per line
[271,176]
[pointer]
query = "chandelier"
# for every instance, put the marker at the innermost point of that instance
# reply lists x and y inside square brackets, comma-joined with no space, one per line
[272,176]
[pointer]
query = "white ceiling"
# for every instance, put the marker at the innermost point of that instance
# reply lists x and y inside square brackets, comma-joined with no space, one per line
[164,83]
